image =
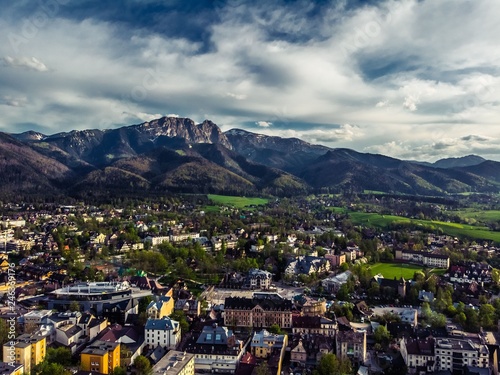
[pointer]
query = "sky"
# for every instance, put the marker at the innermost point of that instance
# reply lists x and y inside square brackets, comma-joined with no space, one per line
[411,79]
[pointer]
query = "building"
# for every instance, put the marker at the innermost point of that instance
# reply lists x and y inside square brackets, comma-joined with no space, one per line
[314,325]
[307,265]
[131,339]
[336,260]
[175,363]
[28,350]
[351,345]
[163,332]
[455,354]
[258,279]
[93,296]
[32,320]
[333,284]
[418,354]
[15,369]
[261,311]
[424,258]
[313,307]
[298,354]
[101,356]
[264,343]
[161,308]
[216,349]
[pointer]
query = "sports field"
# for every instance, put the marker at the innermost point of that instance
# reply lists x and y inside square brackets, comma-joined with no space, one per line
[394,270]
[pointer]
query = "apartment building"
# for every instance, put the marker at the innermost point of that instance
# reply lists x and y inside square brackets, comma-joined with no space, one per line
[261,311]
[351,345]
[101,356]
[28,350]
[163,332]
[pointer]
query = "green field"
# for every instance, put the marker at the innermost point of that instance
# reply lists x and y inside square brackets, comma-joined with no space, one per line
[238,202]
[398,270]
[452,229]
[481,216]
[391,270]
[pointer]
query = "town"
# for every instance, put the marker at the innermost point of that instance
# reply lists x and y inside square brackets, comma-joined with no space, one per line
[192,284]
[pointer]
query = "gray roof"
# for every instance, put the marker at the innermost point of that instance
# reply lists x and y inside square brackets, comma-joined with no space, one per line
[214,335]
[164,324]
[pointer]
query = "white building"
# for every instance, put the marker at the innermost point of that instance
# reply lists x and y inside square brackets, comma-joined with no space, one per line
[454,354]
[163,332]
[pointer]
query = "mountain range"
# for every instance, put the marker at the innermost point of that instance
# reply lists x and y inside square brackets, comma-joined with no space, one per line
[173,154]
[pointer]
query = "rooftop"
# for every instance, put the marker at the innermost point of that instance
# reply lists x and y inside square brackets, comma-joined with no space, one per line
[171,363]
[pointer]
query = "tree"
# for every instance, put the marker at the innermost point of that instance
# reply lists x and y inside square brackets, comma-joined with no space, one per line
[60,355]
[276,329]
[142,365]
[119,371]
[144,303]
[263,369]
[74,306]
[46,368]
[487,316]
[382,335]
[180,317]
[329,364]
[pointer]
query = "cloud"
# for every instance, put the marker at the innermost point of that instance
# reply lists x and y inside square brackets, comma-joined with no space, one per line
[29,63]
[263,124]
[407,73]
[12,101]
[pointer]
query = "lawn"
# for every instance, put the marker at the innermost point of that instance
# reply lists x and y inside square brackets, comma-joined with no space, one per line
[398,270]
[452,229]
[238,202]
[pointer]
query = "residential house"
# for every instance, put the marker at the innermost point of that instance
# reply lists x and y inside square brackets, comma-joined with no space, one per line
[351,345]
[190,306]
[131,339]
[258,279]
[333,284]
[161,308]
[314,325]
[418,354]
[163,332]
[264,343]
[216,349]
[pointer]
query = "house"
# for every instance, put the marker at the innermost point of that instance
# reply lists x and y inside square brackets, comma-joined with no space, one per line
[163,332]
[333,284]
[264,343]
[190,306]
[307,265]
[216,349]
[313,307]
[163,307]
[258,279]
[391,287]
[425,296]
[298,354]
[314,325]
[418,354]
[101,356]
[351,345]
[131,339]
